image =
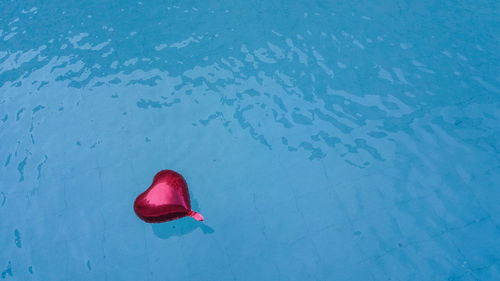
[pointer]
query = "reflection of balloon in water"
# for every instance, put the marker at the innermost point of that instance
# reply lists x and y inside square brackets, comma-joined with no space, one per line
[179,227]
[166,199]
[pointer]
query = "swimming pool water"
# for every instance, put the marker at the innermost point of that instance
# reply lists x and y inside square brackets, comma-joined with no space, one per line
[321,140]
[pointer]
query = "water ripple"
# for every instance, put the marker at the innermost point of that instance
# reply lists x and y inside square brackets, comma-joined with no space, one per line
[404,96]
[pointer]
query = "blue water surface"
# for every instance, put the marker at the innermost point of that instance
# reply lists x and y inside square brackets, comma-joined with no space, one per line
[321,140]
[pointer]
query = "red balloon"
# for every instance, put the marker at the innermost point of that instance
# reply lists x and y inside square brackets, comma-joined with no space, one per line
[166,199]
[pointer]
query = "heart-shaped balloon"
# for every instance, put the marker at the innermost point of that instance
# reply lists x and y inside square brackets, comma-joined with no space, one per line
[166,199]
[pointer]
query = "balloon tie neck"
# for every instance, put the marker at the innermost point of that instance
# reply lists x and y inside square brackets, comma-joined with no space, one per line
[195,215]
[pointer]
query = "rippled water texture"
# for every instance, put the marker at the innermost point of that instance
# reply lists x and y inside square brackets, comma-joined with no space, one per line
[321,140]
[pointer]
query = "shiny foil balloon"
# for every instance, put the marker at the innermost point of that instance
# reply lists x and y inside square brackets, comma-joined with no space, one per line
[166,199]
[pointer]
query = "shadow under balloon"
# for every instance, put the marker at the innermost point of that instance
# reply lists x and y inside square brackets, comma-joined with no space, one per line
[181,226]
